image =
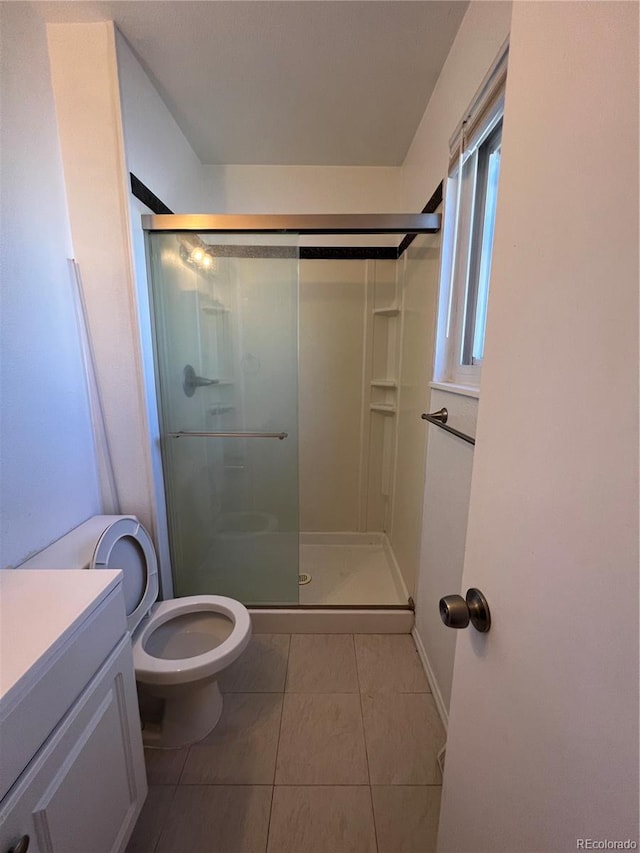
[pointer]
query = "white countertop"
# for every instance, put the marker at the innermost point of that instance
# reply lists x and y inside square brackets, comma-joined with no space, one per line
[39,608]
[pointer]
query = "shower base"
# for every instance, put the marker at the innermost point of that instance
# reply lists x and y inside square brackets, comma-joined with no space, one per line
[357,569]
[355,587]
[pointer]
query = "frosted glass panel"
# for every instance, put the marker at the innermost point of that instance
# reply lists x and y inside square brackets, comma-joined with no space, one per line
[226,329]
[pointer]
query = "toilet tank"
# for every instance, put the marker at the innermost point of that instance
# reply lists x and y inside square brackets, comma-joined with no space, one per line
[75,549]
[109,542]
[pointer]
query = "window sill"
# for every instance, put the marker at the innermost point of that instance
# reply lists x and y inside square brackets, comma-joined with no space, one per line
[452,388]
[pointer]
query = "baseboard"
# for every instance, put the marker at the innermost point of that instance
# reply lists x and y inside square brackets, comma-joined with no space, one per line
[398,580]
[433,684]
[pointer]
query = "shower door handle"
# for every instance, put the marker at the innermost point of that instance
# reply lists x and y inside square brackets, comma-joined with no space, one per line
[185,434]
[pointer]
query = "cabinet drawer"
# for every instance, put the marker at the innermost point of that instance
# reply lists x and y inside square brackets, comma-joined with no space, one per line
[28,721]
[84,790]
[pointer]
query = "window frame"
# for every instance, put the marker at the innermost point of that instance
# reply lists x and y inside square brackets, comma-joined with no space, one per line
[490,145]
[463,231]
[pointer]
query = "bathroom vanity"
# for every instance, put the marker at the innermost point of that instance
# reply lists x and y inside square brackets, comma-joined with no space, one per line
[72,777]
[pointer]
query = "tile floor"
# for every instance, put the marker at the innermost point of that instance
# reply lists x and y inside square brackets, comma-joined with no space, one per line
[327,744]
[348,574]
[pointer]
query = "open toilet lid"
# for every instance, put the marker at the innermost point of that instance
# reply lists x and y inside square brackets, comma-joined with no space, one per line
[126,545]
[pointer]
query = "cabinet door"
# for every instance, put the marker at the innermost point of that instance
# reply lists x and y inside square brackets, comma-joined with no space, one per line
[84,790]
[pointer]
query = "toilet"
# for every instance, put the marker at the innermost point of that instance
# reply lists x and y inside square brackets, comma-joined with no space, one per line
[180,646]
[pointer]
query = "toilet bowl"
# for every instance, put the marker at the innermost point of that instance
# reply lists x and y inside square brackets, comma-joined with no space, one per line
[179,651]
[180,646]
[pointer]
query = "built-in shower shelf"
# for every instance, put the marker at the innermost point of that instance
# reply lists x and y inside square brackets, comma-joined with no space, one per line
[384,383]
[383,408]
[391,311]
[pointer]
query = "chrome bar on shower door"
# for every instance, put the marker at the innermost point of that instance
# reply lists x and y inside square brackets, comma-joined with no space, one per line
[183,433]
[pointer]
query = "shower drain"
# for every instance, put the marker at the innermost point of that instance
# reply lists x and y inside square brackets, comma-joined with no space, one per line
[304,578]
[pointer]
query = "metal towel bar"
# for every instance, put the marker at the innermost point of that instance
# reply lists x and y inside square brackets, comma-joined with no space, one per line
[184,434]
[440,418]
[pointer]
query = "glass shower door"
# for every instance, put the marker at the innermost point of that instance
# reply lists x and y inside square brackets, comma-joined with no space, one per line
[226,341]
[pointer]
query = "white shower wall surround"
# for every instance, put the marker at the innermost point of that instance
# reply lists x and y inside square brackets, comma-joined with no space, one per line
[346,449]
[366,355]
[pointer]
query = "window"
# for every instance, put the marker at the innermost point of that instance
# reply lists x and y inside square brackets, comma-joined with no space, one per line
[469,223]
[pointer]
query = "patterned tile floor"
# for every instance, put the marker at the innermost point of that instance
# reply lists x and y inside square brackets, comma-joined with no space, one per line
[327,744]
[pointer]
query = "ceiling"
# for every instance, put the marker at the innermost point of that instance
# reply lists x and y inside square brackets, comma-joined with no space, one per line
[287,82]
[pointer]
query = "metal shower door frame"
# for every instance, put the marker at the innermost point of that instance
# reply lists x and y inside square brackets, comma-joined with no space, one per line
[348,223]
[407,225]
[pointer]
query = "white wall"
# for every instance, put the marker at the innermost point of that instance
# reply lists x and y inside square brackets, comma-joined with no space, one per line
[308,189]
[304,189]
[85,85]
[156,150]
[48,472]
[444,528]
[484,29]
[547,704]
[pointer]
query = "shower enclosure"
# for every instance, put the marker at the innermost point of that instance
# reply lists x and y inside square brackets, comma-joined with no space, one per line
[225,302]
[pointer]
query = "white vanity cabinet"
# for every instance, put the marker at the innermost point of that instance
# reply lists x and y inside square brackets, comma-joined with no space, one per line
[72,776]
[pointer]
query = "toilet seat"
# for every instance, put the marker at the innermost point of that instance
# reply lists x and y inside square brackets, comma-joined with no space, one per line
[125,544]
[157,670]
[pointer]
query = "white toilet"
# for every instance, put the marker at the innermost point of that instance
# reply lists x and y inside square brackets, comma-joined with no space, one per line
[180,646]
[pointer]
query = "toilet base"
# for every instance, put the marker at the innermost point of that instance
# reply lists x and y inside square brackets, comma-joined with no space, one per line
[187,716]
